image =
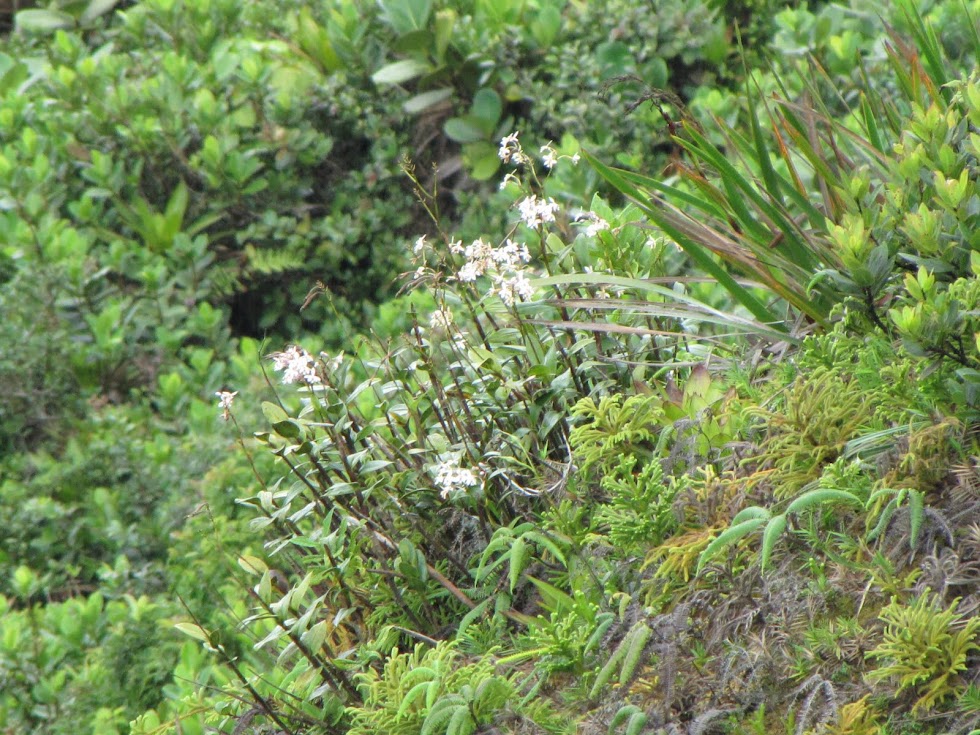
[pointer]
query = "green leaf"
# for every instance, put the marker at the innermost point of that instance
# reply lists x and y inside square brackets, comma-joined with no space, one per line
[313,638]
[425,100]
[774,529]
[477,612]
[754,511]
[614,57]
[518,553]
[636,723]
[466,129]
[886,515]
[673,224]
[604,622]
[417,691]
[42,20]
[727,538]
[405,16]
[871,124]
[414,42]
[542,540]
[624,714]
[698,310]
[194,631]
[487,108]
[546,26]
[444,24]
[461,723]
[400,71]
[441,713]
[916,514]
[824,497]
[96,9]
[761,149]
[288,429]
[315,41]
[606,672]
[252,564]
[273,413]
[12,74]
[176,206]
[482,159]
[638,638]
[554,599]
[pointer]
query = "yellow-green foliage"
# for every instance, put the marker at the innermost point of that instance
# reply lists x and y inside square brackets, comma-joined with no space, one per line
[639,512]
[822,412]
[612,427]
[404,699]
[855,718]
[925,647]
[432,691]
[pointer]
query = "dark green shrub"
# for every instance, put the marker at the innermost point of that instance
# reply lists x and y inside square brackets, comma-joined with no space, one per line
[275,171]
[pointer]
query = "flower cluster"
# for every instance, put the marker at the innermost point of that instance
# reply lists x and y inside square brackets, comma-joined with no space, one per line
[504,263]
[450,477]
[512,287]
[441,319]
[510,150]
[481,257]
[550,157]
[225,401]
[297,366]
[536,212]
[332,363]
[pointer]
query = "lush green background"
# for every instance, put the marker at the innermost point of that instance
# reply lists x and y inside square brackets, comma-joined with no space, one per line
[715,471]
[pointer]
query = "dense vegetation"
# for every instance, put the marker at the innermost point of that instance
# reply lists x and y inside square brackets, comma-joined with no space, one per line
[490,366]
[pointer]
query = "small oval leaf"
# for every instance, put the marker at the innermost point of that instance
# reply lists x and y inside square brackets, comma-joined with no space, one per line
[424,101]
[465,129]
[193,630]
[399,71]
[42,20]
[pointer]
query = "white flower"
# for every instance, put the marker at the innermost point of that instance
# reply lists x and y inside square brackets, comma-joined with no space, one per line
[596,224]
[334,362]
[508,145]
[549,156]
[469,272]
[596,227]
[511,254]
[576,158]
[510,140]
[512,288]
[226,398]
[441,319]
[419,245]
[479,259]
[535,212]
[508,178]
[225,401]
[510,150]
[451,477]
[456,247]
[297,366]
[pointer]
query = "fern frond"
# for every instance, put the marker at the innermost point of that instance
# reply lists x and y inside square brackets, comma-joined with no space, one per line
[271,261]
